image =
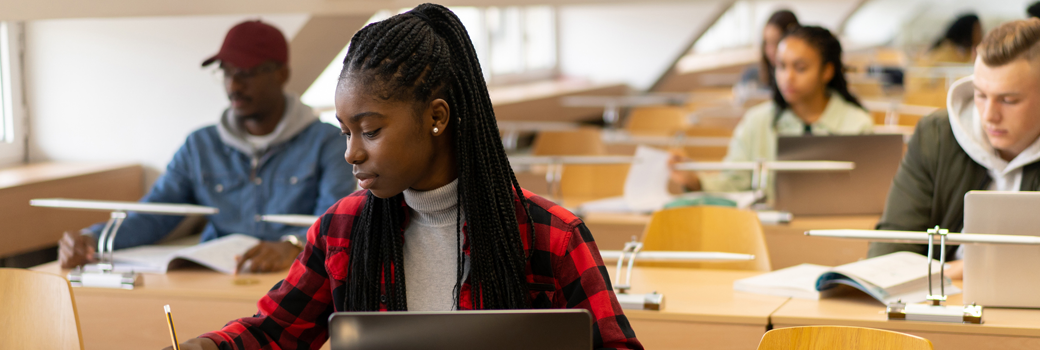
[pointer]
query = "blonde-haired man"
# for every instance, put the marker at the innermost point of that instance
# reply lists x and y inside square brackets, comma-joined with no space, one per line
[987,139]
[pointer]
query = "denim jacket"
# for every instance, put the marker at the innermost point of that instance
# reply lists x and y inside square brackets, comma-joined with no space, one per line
[301,172]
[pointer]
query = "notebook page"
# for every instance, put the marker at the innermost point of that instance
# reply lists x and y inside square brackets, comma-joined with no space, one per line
[219,254]
[890,270]
[152,258]
[795,281]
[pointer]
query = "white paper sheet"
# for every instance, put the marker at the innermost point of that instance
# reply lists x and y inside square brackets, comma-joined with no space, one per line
[646,187]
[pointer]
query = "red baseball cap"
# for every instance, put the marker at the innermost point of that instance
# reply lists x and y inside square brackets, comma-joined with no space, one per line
[251,43]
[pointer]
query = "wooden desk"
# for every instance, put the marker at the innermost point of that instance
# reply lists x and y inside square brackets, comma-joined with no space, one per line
[701,310]
[1002,328]
[201,300]
[29,228]
[788,245]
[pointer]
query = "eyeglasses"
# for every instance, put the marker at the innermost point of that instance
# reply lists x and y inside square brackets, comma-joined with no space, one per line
[246,74]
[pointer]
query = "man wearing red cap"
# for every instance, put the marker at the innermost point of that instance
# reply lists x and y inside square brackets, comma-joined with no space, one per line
[269,154]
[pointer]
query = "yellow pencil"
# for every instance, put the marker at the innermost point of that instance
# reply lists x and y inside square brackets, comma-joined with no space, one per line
[173,333]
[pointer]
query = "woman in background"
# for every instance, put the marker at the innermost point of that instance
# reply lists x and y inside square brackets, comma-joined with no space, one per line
[810,97]
[780,22]
[958,44]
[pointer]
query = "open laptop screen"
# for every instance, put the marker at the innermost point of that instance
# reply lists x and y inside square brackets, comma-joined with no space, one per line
[498,329]
[860,191]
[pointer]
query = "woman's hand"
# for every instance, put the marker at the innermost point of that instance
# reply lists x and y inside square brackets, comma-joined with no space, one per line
[687,180]
[75,249]
[196,344]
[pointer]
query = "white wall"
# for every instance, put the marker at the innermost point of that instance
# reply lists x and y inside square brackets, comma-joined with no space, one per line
[127,89]
[632,43]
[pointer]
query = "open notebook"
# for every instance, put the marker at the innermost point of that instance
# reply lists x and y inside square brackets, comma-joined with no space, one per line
[218,254]
[887,278]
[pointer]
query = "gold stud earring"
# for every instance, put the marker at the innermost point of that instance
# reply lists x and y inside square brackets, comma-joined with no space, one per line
[435,130]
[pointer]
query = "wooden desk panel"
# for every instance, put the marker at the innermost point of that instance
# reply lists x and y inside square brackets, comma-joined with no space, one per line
[612,231]
[201,301]
[701,310]
[1002,328]
[29,228]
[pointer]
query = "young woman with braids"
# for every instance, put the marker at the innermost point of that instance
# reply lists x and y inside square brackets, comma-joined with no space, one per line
[442,223]
[810,97]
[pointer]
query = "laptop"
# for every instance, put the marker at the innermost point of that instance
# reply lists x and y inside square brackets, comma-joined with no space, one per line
[861,191]
[998,275]
[498,329]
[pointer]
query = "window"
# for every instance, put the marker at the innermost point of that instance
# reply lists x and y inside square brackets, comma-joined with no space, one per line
[520,43]
[12,144]
[514,45]
[6,114]
[736,28]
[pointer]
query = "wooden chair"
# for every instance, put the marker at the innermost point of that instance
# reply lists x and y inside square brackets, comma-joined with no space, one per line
[840,337]
[579,142]
[37,311]
[580,182]
[708,228]
[707,153]
[658,120]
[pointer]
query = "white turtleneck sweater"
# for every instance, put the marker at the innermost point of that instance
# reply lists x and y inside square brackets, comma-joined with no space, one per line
[431,248]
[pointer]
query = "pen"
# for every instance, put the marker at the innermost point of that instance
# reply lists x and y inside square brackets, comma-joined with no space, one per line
[173,333]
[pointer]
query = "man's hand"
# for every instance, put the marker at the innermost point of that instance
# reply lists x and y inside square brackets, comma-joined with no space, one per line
[196,344]
[267,257]
[75,249]
[687,179]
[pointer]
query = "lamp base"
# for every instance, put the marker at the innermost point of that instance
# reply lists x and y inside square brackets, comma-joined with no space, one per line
[935,313]
[116,280]
[648,301]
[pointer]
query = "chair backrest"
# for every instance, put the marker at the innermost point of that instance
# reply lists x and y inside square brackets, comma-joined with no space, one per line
[708,228]
[37,311]
[840,337]
[578,142]
[582,182]
[657,120]
[590,182]
[707,153]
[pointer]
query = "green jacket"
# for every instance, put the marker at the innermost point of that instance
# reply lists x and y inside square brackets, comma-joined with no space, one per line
[929,188]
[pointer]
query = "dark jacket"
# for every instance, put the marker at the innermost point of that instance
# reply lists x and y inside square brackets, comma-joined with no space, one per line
[929,188]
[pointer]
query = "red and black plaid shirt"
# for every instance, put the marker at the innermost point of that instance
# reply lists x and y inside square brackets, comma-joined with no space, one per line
[565,271]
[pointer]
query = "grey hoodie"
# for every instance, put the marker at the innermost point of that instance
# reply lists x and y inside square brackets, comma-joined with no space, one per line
[970,134]
[297,117]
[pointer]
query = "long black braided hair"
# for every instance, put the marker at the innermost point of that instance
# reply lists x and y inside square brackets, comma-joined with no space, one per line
[829,49]
[416,57]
